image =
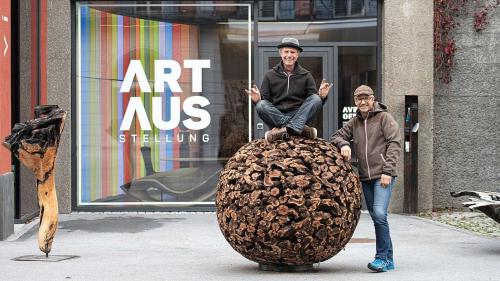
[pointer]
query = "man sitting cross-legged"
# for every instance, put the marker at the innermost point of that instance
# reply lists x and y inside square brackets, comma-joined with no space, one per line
[288,97]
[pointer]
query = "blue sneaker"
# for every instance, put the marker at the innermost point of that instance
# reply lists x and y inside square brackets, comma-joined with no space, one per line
[390,264]
[378,265]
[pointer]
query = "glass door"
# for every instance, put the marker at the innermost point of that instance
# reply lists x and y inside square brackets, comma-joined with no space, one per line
[357,66]
[319,61]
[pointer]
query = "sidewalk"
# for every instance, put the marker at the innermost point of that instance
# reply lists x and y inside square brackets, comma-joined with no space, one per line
[190,246]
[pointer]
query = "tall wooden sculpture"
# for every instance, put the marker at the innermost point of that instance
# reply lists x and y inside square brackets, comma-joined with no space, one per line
[35,144]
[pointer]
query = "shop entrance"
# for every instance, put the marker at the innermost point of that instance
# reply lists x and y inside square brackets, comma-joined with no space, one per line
[319,61]
[347,65]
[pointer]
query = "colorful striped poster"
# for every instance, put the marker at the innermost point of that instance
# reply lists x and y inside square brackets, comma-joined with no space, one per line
[108,42]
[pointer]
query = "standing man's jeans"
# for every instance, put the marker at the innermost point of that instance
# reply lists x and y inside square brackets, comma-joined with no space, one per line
[377,201]
[294,120]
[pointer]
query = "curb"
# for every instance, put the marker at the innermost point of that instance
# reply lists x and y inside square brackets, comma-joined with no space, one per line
[22,230]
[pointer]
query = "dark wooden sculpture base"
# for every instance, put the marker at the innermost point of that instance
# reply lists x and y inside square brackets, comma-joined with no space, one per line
[43,258]
[286,268]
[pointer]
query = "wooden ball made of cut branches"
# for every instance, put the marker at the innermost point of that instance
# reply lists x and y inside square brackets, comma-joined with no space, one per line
[291,202]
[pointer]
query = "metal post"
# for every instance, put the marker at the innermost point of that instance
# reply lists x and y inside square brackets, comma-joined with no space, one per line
[410,148]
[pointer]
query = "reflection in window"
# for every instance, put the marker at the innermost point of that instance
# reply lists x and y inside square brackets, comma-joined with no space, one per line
[310,10]
[324,9]
[318,20]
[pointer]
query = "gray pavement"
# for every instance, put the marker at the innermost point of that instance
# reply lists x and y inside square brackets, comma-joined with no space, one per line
[189,246]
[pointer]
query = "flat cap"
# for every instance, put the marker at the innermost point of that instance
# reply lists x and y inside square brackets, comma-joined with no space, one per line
[363,90]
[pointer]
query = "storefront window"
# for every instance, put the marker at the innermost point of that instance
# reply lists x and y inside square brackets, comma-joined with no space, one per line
[159,97]
[160,106]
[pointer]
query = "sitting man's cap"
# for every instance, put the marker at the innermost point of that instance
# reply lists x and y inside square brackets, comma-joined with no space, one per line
[363,90]
[290,42]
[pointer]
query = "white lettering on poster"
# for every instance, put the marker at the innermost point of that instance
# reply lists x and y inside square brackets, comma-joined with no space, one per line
[197,66]
[135,106]
[190,106]
[348,112]
[179,137]
[175,103]
[135,69]
[171,78]
[192,111]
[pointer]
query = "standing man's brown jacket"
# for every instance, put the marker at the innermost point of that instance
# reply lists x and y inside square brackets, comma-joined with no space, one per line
[377,142]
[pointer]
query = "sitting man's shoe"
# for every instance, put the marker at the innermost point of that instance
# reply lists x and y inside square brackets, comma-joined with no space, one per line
[309,132]
[390,264]
[275,134]
[378,265]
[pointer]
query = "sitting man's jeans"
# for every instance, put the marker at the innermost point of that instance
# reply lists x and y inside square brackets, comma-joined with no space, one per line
[294,120]
[377,201]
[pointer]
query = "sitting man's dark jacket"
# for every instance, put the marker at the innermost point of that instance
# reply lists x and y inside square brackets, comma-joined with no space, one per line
[289,91]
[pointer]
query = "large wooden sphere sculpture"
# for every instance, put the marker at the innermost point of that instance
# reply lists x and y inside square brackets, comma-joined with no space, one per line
[292,202]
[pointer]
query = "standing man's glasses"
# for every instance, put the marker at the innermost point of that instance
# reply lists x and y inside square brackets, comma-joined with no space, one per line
[364,98]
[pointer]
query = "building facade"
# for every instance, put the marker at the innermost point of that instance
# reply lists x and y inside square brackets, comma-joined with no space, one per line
[204,54]
[6,175]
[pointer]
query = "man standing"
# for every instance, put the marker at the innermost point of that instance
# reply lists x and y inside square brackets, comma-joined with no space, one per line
[288,97]
[377,144]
